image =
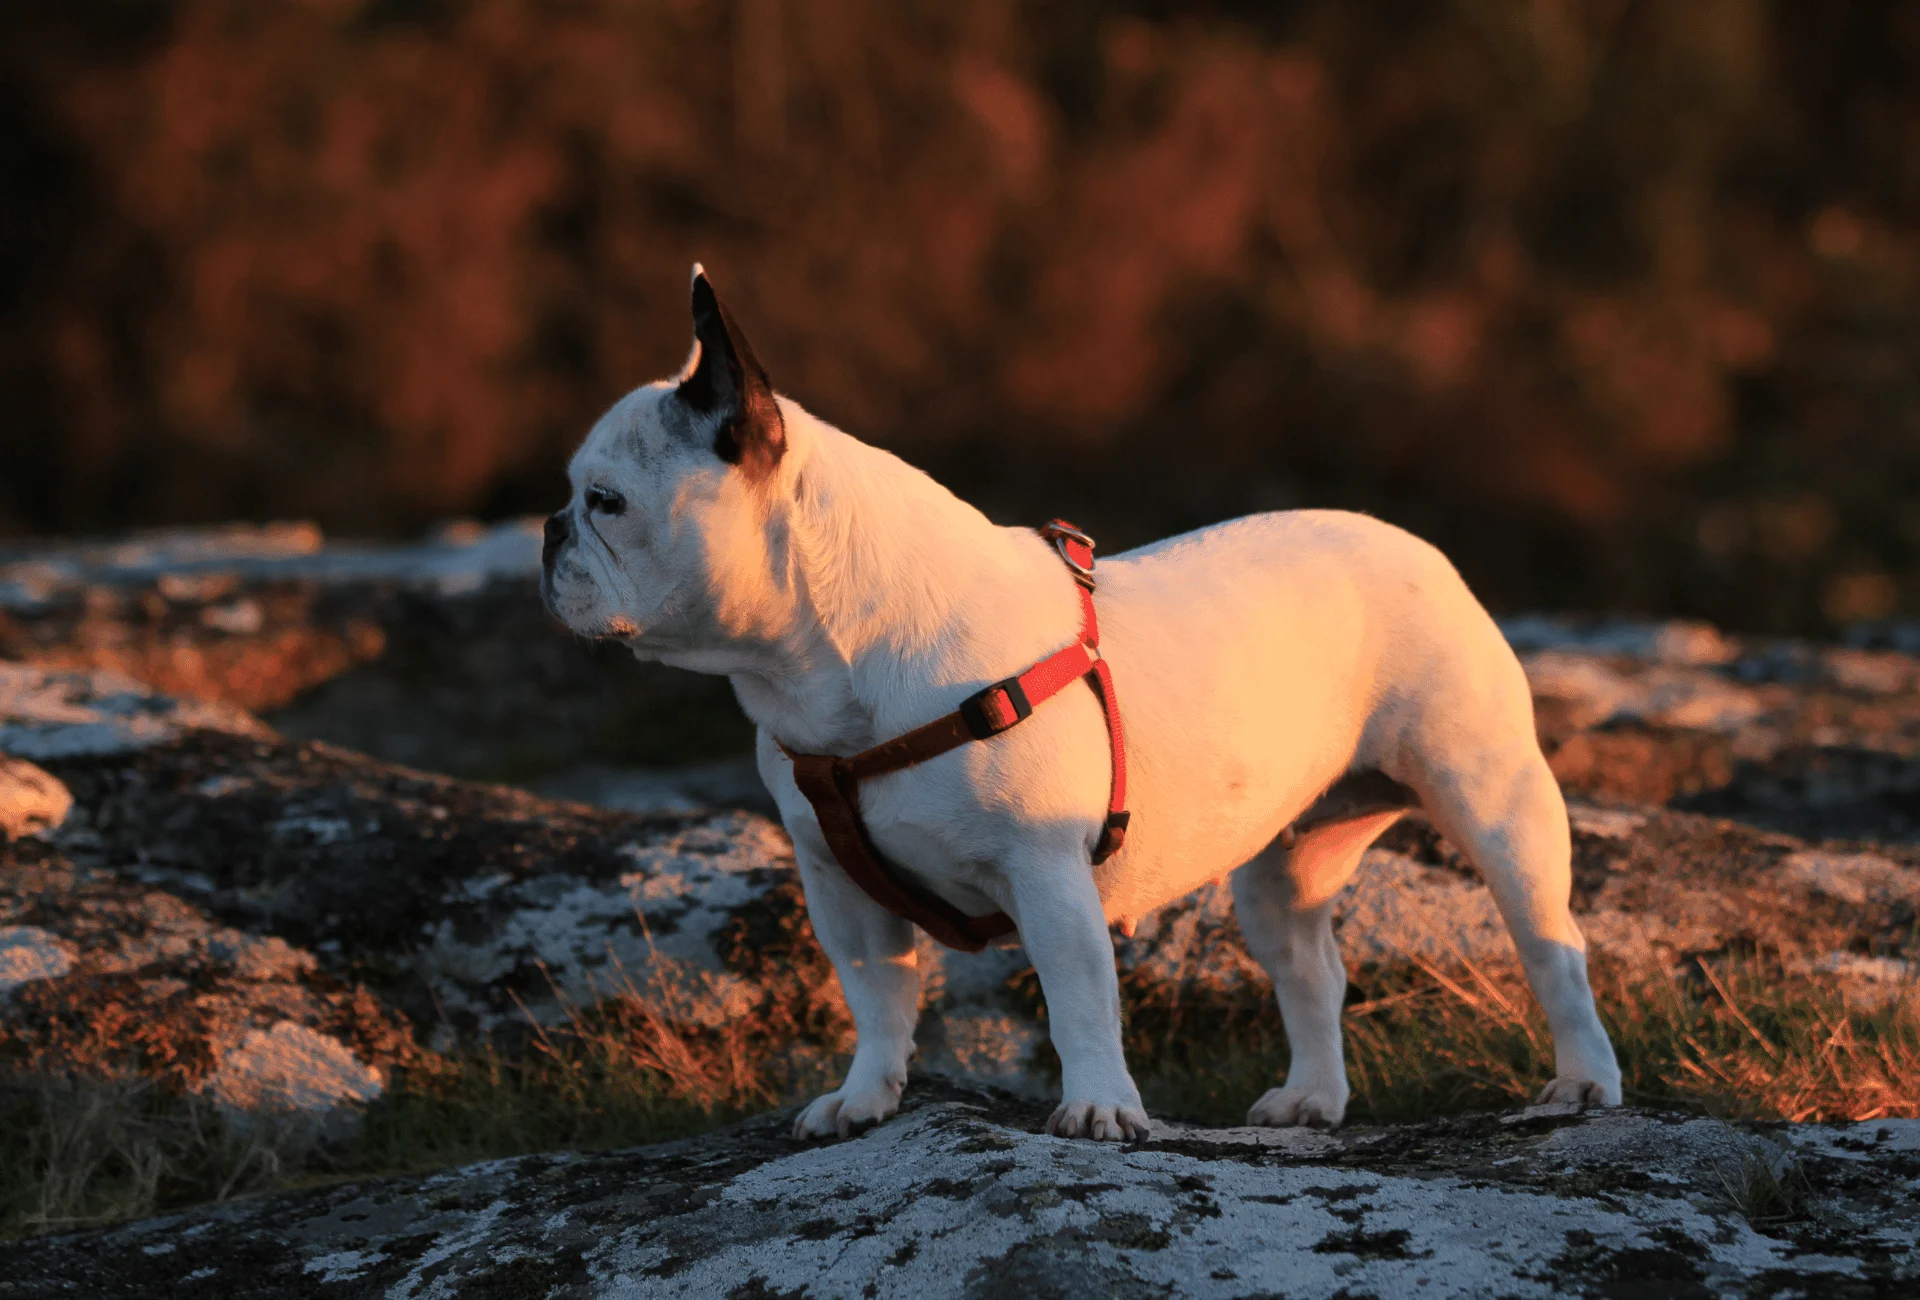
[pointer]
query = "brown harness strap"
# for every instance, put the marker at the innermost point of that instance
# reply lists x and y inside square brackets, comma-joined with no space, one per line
[832,784]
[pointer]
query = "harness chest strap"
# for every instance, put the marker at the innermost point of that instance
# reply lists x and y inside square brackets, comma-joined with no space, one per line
[832,784]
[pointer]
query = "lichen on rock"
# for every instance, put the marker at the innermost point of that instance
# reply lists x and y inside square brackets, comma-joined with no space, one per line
[289,1071]
[961,1196]
[29,954]
[54,713]
[113,975]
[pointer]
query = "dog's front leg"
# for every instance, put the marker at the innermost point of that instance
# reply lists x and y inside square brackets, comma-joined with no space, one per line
[1065,932]
[872,952]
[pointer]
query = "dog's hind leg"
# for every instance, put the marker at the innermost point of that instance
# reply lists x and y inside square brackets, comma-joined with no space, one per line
[1507,815]
[1283,900]
[872,953]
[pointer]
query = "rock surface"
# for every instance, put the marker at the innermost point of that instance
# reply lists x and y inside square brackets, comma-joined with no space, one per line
[437,654]
[251,911]
[223,882]
[99,971]
[32,801]
[962,1197]
[1819,741]
[237,912]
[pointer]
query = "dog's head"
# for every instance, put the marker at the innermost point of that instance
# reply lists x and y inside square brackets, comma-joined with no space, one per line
[664,543]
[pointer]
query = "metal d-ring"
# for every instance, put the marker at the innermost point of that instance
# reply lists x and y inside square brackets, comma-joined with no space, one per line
[1080,571]
[1061,535]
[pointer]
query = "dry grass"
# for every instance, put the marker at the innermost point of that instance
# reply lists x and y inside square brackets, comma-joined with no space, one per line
[1766,1190]
[618,1073]
[96,1146]
[1735,1036]
[1738,1037]
[78,1151]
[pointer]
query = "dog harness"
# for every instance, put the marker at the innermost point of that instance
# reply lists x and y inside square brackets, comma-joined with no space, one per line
[832,784]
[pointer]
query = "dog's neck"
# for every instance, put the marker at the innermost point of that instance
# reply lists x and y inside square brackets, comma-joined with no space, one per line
[899,592]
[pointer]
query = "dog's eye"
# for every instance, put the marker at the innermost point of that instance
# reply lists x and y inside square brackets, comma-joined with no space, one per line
[602,502]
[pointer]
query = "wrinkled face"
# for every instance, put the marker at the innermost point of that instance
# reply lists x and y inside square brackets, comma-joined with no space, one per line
[657,545]
[618,555]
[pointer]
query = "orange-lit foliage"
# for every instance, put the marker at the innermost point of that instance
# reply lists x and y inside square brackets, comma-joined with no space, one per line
[1615,301]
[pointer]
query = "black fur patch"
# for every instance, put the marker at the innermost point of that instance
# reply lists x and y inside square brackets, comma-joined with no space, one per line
[728,382]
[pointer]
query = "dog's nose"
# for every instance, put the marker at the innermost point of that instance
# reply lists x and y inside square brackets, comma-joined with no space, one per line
[555,536]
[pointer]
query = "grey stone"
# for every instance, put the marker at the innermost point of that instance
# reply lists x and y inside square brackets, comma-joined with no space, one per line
[961,1197]
[436,654]
[68,713]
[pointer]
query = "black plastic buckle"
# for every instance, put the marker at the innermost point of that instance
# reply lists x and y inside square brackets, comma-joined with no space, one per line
[974,708]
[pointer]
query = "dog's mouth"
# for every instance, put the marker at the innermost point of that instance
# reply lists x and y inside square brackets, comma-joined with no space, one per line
[583,622]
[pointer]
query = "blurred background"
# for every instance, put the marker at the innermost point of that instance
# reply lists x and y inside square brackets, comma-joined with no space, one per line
[1619,303]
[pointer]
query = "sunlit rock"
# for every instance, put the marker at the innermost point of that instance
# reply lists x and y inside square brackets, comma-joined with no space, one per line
[72,713]
[292,1073]
[29,954]
[32,800]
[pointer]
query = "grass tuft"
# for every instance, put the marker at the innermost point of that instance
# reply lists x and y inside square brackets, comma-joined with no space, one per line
[1767,1191]
[1738,1036]
[83,1150]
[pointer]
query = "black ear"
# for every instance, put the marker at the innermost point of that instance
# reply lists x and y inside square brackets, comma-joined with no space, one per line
[726,382]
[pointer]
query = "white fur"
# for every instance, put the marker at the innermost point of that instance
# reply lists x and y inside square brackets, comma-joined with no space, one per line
[850,598]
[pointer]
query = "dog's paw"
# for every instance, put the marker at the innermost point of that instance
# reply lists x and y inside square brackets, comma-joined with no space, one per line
[1293,1107]
[1580,1092]
[1101,1122]
[842,1114]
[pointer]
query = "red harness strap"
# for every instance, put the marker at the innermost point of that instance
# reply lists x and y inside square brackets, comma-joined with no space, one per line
[832,785]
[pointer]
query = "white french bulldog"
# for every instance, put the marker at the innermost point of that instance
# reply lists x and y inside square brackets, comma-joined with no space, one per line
[717,526]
